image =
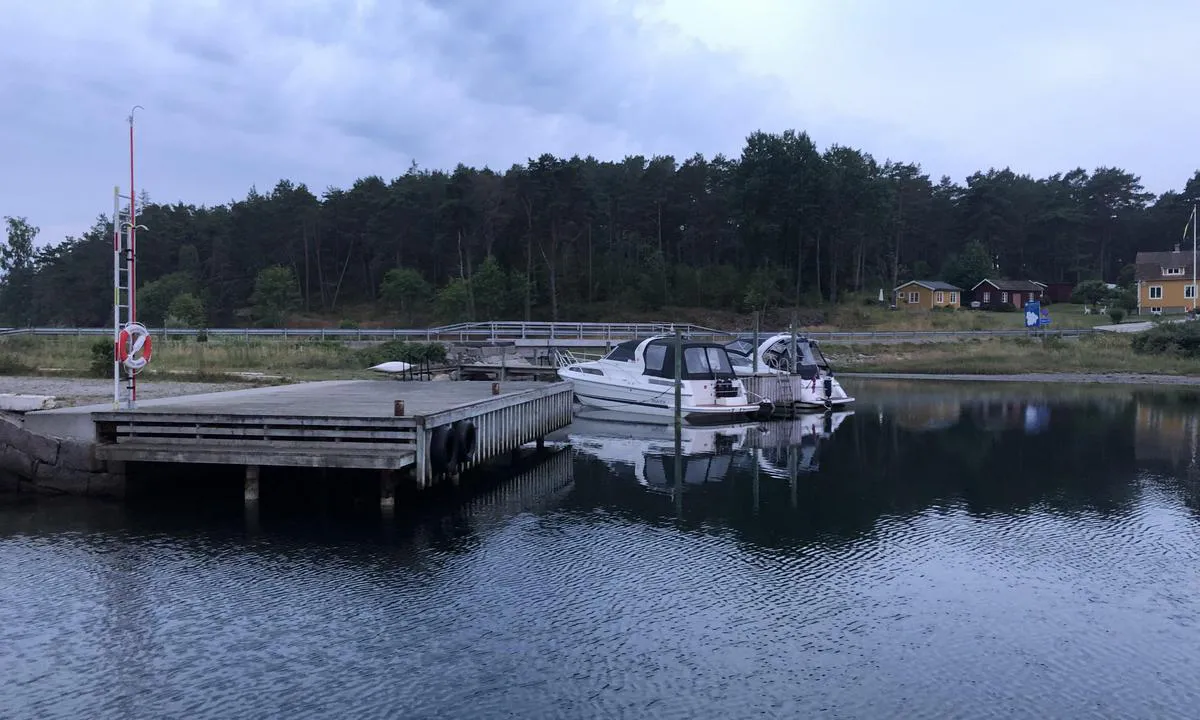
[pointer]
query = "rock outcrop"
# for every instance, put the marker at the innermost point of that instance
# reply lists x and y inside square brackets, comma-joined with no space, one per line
[54,465]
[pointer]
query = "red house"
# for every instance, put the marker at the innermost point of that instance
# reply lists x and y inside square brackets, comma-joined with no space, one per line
[991,294]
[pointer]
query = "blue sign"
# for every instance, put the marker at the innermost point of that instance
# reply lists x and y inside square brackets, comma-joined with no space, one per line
[1045,317]
[1033,314]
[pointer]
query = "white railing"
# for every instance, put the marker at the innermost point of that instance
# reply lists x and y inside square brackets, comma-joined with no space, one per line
[546,333]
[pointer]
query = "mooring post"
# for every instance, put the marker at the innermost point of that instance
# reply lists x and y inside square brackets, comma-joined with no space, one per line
[387,492]
[678,382]
[754,353]
[795,342]
[251,488]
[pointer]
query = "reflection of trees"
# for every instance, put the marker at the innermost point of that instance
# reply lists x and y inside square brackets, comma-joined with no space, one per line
[424,535]
[1081,459]
[1167,441]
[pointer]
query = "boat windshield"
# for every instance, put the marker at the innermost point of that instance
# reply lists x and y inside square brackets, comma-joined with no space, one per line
[741,347]
[779,355]
[707,362]
[624,351]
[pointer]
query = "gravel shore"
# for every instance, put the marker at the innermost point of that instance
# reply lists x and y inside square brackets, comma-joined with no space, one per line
[1099,378]
[85,391]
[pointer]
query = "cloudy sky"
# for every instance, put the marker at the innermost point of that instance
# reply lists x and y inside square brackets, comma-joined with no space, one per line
[244,92]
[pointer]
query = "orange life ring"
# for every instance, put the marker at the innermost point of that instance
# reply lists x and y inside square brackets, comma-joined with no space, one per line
[134,347]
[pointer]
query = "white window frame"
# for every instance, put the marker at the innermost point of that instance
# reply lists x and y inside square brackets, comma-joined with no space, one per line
[987,296]
[914,297]
[1004,297]
[1156,292]
[1189,292]
[939,297]
[1174,271]
[953,298]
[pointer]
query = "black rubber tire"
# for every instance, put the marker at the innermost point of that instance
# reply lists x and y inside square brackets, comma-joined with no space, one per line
[442,450]
[464,441]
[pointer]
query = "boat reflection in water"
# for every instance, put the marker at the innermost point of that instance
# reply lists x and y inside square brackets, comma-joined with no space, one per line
[703,455]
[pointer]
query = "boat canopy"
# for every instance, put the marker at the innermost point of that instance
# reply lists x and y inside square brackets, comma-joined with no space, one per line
[701,361]
[777,354]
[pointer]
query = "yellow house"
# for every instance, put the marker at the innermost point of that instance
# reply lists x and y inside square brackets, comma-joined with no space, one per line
[927,295]
[1164,282]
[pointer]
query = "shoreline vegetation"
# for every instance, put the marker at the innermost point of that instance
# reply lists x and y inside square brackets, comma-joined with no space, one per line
[1167,350]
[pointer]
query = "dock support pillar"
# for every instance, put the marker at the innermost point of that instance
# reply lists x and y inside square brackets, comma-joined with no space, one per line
[541,444]
[251,490]
[387,492]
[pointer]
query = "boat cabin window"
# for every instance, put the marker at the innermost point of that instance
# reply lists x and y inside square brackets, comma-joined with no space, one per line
[623,352]
[656,357]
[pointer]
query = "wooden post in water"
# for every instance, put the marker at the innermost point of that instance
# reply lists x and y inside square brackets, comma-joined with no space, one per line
[387,492]
[251,486]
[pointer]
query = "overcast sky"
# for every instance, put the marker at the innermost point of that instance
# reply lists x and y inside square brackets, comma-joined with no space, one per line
[245,92]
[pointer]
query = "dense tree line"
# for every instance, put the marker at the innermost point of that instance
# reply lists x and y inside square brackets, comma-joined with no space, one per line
[783,225]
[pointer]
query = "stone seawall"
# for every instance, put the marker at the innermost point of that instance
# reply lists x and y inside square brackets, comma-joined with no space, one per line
[38,463]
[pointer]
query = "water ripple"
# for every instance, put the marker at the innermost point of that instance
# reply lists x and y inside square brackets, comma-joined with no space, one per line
[872,587]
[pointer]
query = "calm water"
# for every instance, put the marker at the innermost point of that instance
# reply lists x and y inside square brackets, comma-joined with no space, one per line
[962,551]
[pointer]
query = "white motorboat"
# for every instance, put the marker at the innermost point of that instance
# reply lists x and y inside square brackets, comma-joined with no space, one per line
[706,454]
[637,376]
[807,383]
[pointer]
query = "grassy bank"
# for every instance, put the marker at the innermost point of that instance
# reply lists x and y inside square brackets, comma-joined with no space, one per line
[1101,353]
[186,359]
[854,312]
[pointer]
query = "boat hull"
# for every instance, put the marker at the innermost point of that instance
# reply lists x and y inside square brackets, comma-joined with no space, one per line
[653,401]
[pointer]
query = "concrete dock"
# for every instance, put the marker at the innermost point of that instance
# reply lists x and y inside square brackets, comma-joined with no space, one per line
[431,429]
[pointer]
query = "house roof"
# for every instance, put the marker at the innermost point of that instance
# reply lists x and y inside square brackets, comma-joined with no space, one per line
[1150,265]
[1011,285]
[929,285]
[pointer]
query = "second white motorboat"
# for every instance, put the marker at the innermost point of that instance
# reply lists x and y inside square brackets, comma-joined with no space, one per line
[803,380]
[637,376]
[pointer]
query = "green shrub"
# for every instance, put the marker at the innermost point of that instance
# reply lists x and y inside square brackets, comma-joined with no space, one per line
[102,358]
[1179,339]
[12,364]
[1116,315]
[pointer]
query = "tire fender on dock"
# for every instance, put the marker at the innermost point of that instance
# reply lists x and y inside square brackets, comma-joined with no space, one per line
[442,450]
[464,441]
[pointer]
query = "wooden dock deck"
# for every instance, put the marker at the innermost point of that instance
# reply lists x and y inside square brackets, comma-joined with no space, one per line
[442,429]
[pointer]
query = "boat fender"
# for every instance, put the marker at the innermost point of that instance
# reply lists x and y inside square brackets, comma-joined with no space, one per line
[442,449]
[766,409]
[464,441]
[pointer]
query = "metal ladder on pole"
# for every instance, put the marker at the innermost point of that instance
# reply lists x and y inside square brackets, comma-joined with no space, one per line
[124,384]
[125,227]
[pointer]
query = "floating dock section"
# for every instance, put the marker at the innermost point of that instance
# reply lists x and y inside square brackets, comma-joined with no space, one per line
[432,430]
